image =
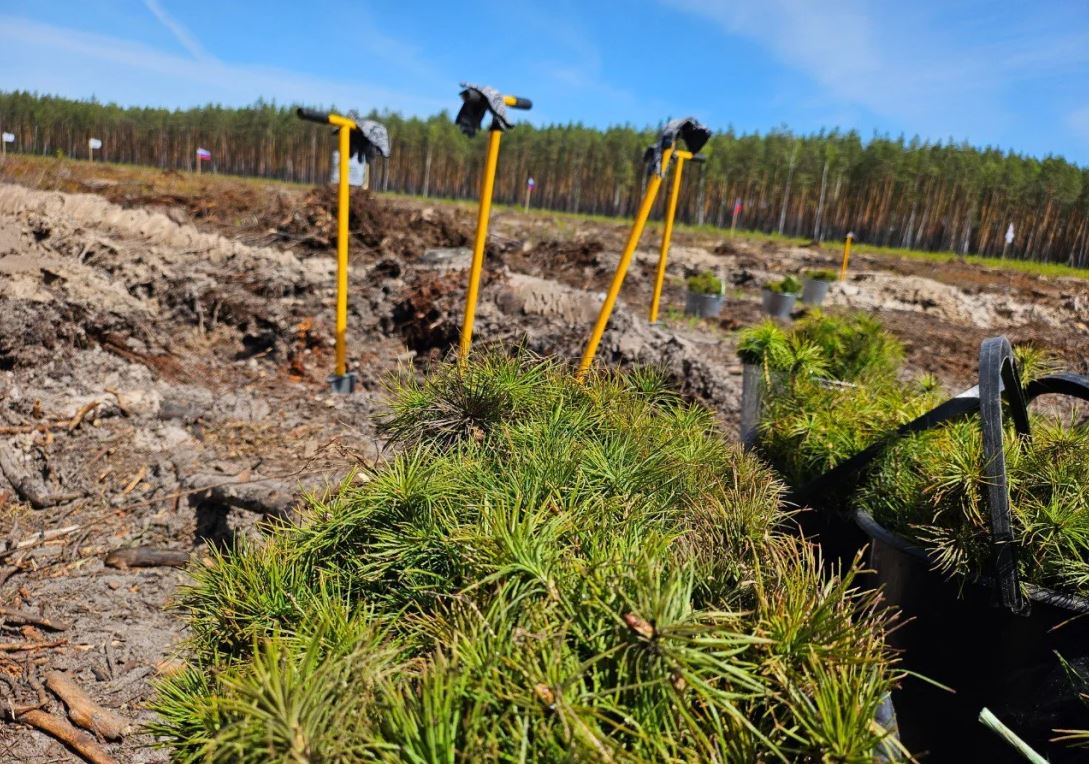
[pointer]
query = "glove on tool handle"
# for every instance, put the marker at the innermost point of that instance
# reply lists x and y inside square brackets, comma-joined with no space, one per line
[313,115]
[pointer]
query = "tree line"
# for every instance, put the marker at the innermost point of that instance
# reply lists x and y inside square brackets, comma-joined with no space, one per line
[888,191]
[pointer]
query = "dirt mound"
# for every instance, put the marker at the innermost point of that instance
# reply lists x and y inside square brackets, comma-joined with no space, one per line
[579,253]
[372,223]
[529,295]
[729,247]
[889,291]
[425,318]
[150,396]
[556,319]
[31,333]
[577,262]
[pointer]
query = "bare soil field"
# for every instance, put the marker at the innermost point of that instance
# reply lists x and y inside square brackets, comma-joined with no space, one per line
[164,343]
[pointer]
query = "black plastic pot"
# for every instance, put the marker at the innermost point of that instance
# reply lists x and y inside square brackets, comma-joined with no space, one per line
[953,634]
[993,639]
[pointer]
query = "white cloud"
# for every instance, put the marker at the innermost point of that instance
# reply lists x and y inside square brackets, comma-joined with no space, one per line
[944,70]
[52,59]
[181,34]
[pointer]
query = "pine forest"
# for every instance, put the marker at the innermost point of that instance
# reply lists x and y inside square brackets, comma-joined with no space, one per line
[896,192]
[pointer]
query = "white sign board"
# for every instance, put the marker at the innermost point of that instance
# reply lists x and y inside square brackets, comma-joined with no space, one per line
[1009,234]
[94,143]
[9,137]
[357,170]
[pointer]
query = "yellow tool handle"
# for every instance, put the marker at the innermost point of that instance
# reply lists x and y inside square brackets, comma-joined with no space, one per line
[667,233]
[846,256]
[621,269]
[342,256]
[487,185]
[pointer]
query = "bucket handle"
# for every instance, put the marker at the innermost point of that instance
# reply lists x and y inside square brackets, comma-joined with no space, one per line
[998,373]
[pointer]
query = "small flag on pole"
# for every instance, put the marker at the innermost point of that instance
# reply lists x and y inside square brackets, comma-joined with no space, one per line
[737,207]
[204,154]
[530,185]
[9,137]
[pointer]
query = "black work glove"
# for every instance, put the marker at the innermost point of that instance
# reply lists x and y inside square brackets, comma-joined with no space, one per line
[367,140]
[478,101]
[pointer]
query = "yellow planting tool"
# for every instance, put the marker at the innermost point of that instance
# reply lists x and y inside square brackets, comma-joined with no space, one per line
[478,101]
[846,256]
[679,158]
[365,139]
[694,136]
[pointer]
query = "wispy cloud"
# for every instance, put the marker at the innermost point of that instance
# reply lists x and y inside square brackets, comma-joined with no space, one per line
[181,34]
[945,71]
[571,65]
[56,59]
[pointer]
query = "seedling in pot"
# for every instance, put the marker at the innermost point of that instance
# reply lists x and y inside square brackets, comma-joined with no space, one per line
[831,389]
[816,285]
[706,294]
[951,490]
[779,296]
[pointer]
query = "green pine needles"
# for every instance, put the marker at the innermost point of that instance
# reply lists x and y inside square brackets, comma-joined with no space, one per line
[832,390]
[785,285]
[705,283]
[930,487]
[835,389]
[548,571]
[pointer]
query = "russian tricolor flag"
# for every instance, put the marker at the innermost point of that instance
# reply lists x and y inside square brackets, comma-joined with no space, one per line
[204,154]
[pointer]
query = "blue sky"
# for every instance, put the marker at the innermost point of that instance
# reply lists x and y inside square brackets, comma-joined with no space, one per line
[993,72]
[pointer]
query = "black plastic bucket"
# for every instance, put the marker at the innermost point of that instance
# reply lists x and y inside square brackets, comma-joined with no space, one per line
[953,634]
[996,641]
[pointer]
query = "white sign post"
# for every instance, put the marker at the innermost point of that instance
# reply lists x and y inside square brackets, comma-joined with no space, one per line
[1009,239]
[357,170]
[7,138]
[92,144]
